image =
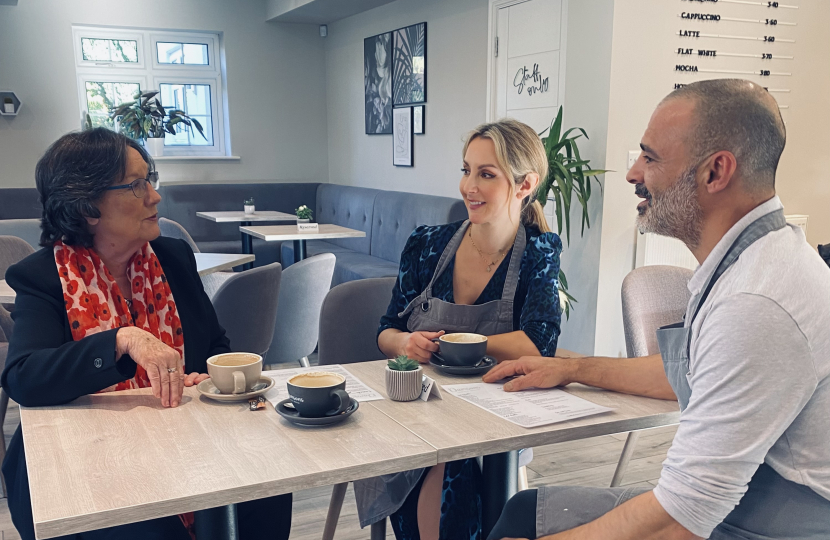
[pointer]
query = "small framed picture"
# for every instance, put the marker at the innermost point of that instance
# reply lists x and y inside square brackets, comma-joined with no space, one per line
[402,139]
[418,118]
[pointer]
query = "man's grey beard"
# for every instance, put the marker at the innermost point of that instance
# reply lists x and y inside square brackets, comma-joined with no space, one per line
[675,212]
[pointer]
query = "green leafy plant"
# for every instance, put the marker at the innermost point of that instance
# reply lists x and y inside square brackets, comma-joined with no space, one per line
[145,118]
[568,175]
[303,212]
[403,363]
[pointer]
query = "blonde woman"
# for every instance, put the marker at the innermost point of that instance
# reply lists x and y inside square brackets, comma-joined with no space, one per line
[493,274]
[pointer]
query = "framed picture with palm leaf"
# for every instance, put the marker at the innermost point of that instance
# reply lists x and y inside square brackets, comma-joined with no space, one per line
[409,65]
[377,83]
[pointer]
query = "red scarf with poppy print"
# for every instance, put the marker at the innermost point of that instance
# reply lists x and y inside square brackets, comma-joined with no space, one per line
[95,303]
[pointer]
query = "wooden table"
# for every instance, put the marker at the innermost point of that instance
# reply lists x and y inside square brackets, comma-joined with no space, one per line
[91,461]
[284,233]
[7,294]
[208,263]
[458,429]
[246,219]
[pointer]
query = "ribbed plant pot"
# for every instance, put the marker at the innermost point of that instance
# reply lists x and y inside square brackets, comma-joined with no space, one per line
[154,146]
[403,385]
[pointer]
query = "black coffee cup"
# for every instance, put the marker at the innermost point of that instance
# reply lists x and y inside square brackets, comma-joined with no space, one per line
[461,349]
[318,394]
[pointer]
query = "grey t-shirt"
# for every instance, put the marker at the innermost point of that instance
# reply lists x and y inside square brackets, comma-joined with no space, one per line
[760,378]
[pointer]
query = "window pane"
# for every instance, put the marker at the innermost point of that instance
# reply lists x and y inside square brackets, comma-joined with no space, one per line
[194,100]
[182,53]
[169,53]
[109,50]
[102,96]
[195,53]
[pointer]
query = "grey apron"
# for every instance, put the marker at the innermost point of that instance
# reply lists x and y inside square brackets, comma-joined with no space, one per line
[772,507]
[381,496]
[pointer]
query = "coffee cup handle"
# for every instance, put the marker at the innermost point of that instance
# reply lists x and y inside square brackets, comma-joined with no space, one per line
[345,401]
[238,382]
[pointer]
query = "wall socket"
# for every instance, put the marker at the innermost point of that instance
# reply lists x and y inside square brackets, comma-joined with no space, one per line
[632,158]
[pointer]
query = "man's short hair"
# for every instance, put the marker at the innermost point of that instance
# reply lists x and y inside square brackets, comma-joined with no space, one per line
[741,117]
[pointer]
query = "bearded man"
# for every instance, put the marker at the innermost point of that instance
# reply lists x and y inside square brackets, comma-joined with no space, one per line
[749,365]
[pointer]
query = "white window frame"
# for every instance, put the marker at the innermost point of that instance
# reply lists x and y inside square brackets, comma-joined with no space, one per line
[149,73]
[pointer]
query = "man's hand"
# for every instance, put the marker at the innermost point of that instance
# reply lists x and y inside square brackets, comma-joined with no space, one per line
[533,372]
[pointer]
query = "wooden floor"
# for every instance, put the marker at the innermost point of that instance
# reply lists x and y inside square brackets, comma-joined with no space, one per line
[589,462]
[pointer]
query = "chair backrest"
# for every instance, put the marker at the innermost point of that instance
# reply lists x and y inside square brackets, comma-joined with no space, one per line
[27,229]
[349,321]
[652,296]
[172,229]
[6,325]
[246,305]
[303,288]
[12,250]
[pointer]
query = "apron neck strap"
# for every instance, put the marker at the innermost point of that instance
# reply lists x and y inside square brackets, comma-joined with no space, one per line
[511,282]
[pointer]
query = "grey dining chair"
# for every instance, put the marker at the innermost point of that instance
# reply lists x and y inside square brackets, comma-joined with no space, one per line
[27,229]
[303,287]
[210,282]
[6,328]
[13,249]
[652,296]
[246,305]
[349,321]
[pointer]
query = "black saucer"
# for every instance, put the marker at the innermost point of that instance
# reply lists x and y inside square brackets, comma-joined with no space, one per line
[486,364]
[294,417]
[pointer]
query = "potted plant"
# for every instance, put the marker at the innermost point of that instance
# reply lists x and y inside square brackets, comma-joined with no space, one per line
[8,105]
[304,214]
[145,119]
[404,378]
[568,174]
[248,206]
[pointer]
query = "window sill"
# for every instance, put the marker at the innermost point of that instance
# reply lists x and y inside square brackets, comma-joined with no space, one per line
[197,158]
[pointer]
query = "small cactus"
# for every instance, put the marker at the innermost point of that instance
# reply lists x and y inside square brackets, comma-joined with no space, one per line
[403,363]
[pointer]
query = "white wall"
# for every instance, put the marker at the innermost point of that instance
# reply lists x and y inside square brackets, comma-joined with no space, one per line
[275,84]
[644,48]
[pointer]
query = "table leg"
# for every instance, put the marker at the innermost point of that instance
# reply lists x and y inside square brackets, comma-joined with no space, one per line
[247,245]
[217,523]
[377,530]
[500,477]
[299,250]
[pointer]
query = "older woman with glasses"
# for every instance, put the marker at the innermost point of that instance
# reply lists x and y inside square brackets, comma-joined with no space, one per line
[109,305]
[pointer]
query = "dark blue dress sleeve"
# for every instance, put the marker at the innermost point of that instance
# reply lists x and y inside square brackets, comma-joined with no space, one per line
[541,314]
[408,285]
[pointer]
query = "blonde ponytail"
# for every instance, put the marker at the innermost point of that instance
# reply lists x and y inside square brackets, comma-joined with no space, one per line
[519,152]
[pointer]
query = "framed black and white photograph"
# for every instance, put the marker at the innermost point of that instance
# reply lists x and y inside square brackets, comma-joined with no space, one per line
[409,65]
[418,118]
[377,83]
[402,139]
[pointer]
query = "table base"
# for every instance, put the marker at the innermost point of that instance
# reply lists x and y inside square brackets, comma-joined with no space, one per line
[501,481]
[217,523]
[247,245]
[299,250]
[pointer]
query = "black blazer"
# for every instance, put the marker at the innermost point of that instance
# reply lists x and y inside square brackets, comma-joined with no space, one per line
[45,366]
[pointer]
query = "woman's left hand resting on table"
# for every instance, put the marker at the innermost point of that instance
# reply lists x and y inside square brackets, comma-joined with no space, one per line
[195,378]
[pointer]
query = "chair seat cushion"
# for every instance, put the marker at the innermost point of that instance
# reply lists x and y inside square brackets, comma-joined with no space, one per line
[350,265]
[312,248]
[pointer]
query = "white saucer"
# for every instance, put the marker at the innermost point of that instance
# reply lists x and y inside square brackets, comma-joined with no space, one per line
[209,390]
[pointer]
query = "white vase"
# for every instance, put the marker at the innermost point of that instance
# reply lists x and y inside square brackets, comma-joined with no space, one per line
[403,385]
[250,209]
[8,108]
[303,220]
[154,146]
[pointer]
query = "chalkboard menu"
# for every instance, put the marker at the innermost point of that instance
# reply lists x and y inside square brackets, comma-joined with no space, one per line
[745,39]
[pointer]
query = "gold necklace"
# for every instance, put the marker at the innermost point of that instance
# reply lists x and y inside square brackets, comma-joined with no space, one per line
[481,253]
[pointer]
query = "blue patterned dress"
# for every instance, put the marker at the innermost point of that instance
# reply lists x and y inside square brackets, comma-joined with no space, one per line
[536,311]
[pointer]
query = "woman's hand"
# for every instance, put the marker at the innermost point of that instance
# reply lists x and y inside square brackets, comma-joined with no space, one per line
[419,345]
[163,365]
[195,378]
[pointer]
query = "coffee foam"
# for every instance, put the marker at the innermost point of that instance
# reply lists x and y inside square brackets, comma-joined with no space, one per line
[234,359]
[463,338]
[316,379]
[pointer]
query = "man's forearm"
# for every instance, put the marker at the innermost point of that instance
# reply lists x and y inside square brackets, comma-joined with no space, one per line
[641,518]
[639,376]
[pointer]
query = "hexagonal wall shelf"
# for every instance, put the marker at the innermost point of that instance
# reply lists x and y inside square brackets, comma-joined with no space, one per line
[4,96]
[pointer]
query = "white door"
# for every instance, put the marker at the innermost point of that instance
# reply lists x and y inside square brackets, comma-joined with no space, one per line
[528,74]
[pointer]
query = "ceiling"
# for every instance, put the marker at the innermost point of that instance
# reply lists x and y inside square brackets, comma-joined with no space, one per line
[316,11]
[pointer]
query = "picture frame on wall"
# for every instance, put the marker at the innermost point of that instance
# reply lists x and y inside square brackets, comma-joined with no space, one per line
[402,138]
[377,83]
[409,65]
[418,119]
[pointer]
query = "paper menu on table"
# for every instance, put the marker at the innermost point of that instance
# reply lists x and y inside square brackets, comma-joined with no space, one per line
[354,386]
[530,408]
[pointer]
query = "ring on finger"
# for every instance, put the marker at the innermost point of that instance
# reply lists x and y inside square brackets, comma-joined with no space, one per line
[172,370]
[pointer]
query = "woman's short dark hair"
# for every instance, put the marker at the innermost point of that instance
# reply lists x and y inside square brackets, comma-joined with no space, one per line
[72,176]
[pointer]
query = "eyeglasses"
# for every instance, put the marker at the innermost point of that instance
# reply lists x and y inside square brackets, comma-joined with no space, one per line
[139,187]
